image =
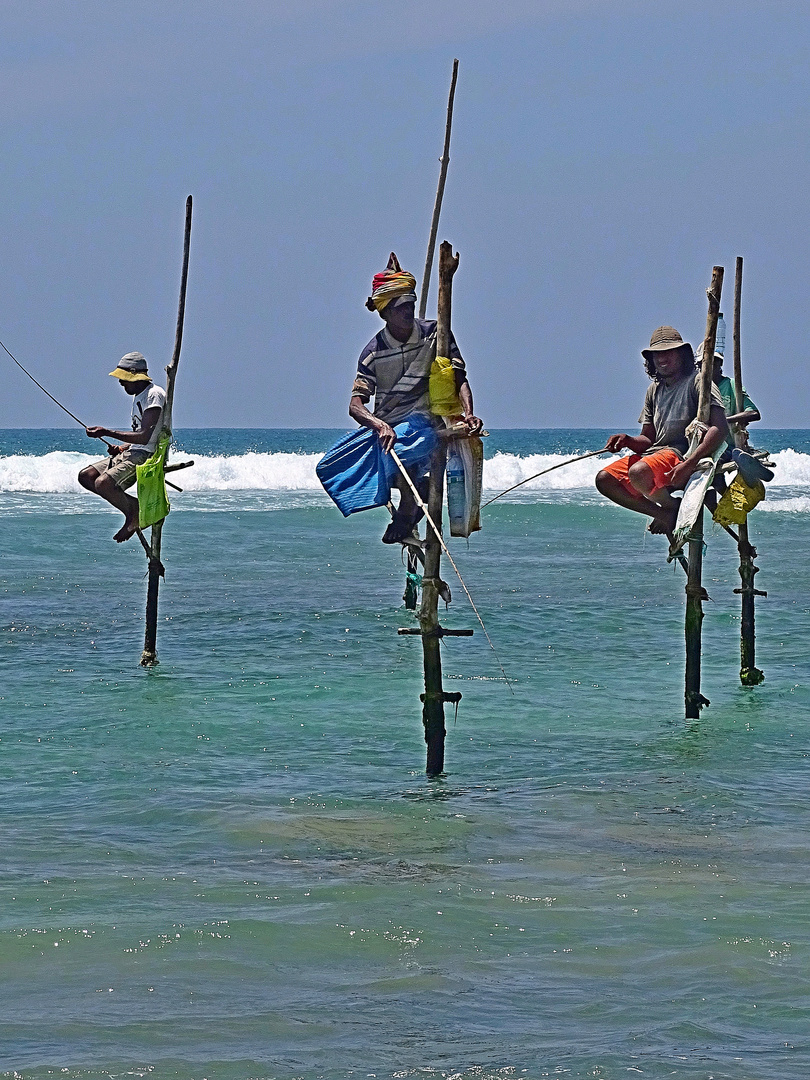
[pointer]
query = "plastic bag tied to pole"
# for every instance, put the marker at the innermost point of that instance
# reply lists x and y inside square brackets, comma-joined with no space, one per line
[153,502]
[738,500]
[444,399]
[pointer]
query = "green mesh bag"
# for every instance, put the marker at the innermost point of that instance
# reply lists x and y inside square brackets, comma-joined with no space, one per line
[153,502]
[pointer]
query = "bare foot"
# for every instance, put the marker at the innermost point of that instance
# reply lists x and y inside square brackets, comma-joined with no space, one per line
[663,523]
[127,531]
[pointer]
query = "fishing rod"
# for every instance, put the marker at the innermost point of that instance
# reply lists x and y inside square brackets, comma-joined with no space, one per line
[72,416]
[44,391]
[559,465]
[440,538]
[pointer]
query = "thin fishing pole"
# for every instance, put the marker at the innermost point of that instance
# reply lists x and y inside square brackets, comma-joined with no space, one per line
[440,538]
[42,388]
[559,465]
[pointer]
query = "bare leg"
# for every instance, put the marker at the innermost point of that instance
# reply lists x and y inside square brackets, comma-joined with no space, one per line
[109,490]
[406,515]
[642,479]
[88,477]
[663,516]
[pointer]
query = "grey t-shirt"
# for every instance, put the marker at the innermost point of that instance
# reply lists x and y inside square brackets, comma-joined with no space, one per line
[670,410]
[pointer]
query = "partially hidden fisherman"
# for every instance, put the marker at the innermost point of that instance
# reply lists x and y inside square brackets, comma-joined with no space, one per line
[394,369]
[737,421]
[746,490]
[111,476]
[660,462]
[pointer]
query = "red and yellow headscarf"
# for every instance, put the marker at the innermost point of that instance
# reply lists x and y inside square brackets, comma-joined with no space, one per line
[392,283]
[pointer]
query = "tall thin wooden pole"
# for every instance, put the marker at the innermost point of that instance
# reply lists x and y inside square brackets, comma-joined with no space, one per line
[437,206]
[412,561]
[434,698]
[149,655]
[750,674]
[693,698]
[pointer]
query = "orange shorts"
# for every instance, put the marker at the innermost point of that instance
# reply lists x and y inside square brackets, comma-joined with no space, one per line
[660,462]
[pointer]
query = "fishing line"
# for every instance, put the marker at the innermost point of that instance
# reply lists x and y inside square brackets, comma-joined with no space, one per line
[44,391]
[440,538]
[559,465]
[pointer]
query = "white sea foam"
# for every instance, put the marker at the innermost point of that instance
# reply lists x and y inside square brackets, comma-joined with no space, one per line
[290,473]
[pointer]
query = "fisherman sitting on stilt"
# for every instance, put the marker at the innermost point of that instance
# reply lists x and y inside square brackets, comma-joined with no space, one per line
[660,462]
[110,477]
[394,369]
[737,422]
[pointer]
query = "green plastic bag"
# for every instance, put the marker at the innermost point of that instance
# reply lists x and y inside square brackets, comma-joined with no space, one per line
[153,502]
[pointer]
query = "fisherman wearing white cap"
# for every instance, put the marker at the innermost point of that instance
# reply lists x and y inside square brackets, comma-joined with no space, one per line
[111,476]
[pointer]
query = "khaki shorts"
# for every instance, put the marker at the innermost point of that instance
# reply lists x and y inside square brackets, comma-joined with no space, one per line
[121,468]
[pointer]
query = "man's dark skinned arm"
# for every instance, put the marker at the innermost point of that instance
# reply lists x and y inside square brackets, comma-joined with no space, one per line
[716,433]
[474,423]
[130,438]
[639,444]
[360,413]
[748,416]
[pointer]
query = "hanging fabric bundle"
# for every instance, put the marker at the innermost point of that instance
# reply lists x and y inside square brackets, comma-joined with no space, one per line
[153,502]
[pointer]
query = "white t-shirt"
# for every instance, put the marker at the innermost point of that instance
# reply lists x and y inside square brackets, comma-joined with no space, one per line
[153,397]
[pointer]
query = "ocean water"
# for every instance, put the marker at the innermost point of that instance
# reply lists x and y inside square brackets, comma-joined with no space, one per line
[232,866]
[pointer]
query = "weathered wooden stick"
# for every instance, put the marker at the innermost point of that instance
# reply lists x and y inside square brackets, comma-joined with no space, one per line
[693,699]
[437,206]
[433,707]
[410,595]
[149,655]
[750,674]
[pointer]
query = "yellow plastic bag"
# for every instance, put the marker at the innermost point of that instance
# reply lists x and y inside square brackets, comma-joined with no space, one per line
[153,502]
[442,387]
[738,499]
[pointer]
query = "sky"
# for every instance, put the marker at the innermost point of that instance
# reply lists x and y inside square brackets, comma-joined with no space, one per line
[605,156]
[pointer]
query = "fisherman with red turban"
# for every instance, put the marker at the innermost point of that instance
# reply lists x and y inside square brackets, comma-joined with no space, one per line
[394,369]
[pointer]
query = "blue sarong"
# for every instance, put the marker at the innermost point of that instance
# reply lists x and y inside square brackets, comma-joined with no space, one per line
[357,475]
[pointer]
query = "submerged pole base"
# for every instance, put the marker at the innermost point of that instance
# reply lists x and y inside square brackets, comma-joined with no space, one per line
[751,676]
[149,658]
[695,701]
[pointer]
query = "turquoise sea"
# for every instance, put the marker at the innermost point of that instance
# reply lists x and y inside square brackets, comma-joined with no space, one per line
[232,866]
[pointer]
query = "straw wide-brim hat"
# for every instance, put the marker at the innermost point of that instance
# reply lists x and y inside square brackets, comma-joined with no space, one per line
[663,339]
[132,368]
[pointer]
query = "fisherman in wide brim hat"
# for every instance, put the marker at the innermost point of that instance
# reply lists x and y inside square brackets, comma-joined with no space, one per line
[111,476]
[660,462]
[394,368]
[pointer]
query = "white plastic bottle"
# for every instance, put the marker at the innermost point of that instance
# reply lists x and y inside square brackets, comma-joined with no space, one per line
[720,341]
[456,489]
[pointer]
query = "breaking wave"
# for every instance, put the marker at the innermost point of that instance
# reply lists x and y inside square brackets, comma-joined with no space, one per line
[289,473]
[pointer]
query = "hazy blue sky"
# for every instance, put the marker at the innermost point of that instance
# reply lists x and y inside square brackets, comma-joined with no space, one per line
[605,155]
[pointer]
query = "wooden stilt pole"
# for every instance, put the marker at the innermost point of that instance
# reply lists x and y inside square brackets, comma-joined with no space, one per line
[750,674]
[434,697]
[693,699]
[437,206]
[149,655]
[410,595]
